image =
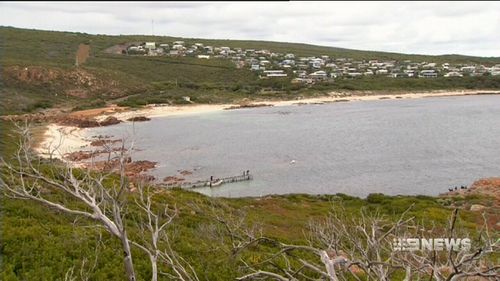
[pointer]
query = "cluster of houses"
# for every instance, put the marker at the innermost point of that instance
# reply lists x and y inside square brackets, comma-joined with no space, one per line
[310,69]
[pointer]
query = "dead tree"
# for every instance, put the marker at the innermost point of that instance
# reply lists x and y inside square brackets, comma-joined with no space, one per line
[155,240]
[102,197]
[344,246]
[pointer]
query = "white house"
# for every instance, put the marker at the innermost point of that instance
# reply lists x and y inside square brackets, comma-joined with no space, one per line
[453,74]
[319,75]
[177,47]
[354,74]
[150,45]
[255,67]
[430,73]
[264,62]
[468,68]
[275,73]
[495,70]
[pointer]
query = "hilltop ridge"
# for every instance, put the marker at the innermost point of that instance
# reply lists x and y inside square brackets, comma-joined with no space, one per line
[39,71]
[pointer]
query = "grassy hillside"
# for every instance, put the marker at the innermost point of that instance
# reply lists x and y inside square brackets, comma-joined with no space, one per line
[41,244]
[38,72]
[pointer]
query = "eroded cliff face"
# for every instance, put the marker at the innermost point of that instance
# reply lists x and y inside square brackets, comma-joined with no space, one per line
[74,82]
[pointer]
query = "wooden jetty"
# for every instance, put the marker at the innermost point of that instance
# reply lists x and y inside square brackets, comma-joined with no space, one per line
[213,182]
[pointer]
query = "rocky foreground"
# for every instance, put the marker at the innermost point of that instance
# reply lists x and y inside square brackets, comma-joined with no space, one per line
[483,196]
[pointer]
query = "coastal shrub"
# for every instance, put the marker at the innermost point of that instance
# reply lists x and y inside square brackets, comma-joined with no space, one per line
[375,198]
[90,105]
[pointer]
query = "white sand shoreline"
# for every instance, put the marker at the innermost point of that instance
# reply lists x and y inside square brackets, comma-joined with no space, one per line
[163,111]
[59,140]
[70,139]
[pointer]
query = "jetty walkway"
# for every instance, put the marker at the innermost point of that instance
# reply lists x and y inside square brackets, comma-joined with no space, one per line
[212,182]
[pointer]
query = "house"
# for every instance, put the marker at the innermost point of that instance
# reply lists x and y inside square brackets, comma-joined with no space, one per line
[263,52]
[302,80]
[398,75]
[178,43]
[409,72]
[255,67]
[209,49]
[203,57]
[381,71]
[302,74]
[429,65]
[495,70]
[453,74]
[315,63]
[177,47]
[468,69]
[318,75]
[354,74]
[288,62]
[290,56]
[481,69]
[150,45]
[264,62]
[430,73]
[275,73]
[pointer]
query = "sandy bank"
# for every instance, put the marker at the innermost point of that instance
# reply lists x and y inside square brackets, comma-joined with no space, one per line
[59,140]
[163,111]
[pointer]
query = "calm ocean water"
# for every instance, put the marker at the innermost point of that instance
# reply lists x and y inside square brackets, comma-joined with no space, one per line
[407,146]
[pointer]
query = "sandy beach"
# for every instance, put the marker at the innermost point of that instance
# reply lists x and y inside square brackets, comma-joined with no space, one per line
[59,140]
[65,139]
[163,111]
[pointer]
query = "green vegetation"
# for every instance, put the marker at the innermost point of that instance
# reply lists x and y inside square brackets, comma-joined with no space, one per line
[41,244]
[39,72]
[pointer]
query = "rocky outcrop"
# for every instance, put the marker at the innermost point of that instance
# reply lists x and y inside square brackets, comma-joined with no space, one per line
[86,122]
[102,142]
[171,179]
[111,120]
[185,172]
[139,119]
